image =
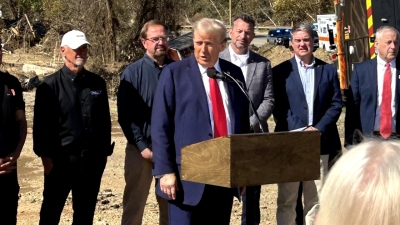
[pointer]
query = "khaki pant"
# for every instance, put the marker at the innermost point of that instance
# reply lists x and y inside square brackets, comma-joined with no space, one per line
[138,180]
[287,197]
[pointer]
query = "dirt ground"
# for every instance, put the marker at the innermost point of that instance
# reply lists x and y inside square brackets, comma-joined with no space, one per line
[109,206]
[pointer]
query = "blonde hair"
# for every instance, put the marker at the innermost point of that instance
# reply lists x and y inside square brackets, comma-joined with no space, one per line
[210,26]
[363,187]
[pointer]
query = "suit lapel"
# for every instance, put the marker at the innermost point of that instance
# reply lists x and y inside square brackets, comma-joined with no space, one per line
[251,69]
[318,71]
[397,97]
[295,76]
[372,74]
[198,84]
[226,55]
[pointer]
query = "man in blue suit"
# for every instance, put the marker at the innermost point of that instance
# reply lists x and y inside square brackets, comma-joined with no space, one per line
[190,107]
[307,97]
[372,102]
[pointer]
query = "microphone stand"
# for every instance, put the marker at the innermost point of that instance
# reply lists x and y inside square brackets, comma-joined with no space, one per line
[250,195]
[241,86]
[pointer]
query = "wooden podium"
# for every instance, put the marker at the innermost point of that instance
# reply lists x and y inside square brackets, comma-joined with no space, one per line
[253,159]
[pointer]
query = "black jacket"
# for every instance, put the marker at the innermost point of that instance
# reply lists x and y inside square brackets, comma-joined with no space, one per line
[72,115]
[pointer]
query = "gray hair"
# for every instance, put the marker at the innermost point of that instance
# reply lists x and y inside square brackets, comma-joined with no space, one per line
[384,29]
[303,26]
[210,26]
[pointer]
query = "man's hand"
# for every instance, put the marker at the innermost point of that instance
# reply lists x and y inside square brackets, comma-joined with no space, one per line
[6,166]
[169,186]
[310,128]
[147,154]
[47,165]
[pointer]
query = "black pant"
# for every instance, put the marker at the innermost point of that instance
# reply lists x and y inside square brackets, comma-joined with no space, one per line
[9,189]
[251,205]
[83,177]
[299,206]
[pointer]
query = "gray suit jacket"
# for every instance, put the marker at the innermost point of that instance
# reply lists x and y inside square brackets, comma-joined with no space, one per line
[259,86]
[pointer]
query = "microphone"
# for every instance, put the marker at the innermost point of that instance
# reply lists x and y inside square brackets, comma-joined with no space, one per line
[226,77]
[212,73]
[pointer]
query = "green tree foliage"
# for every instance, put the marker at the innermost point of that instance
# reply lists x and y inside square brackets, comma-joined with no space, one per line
[113,27]
[293,11]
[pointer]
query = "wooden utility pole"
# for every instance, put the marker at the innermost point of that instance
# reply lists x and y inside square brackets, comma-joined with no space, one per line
[230,13]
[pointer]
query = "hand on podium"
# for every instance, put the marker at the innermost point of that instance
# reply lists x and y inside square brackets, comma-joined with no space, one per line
[310,128]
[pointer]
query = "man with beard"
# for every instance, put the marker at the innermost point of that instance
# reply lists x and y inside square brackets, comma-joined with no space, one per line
[258,76]
[135,100]
[72,134]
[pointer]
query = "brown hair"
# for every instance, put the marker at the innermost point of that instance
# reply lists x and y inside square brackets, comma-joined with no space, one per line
[143,32]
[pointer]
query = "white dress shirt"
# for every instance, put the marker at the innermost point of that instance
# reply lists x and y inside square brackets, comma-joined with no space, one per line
[224,93]
[380,75]
[307,76]
[240,61]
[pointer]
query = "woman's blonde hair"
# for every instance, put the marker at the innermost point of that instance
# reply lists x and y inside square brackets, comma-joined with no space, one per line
[363,187]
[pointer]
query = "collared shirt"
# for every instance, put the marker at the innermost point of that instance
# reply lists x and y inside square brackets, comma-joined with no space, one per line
[135,100]
[72,115]
[240,60]
[224,93]
[307,76]
[381,67]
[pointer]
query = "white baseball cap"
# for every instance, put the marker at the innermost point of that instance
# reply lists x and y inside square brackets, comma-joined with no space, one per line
[74,39]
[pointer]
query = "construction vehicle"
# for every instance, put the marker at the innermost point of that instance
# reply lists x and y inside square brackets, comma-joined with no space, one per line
[357,21]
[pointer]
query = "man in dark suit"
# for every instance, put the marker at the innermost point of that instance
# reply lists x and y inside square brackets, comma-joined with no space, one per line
[258,76]
[374,91]
[190,107]
[307,96]
[13,129]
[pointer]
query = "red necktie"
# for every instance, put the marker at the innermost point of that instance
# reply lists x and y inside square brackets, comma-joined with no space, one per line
[218,111]
[386,106]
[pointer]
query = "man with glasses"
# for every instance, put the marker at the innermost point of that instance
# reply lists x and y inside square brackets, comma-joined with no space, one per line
[135,100]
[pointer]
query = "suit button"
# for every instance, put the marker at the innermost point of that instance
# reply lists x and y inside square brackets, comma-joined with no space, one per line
[305,107]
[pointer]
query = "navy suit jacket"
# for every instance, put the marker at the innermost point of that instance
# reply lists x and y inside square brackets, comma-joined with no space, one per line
[362,101]
[181,117]
[291,109]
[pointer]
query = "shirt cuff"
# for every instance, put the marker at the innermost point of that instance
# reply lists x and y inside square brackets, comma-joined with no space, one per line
[142,145]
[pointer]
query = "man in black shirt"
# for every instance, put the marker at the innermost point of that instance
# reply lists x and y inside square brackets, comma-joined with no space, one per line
[135,100]
[12,138]
[72,134]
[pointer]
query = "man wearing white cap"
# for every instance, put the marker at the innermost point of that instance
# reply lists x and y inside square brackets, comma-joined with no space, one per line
[72,134]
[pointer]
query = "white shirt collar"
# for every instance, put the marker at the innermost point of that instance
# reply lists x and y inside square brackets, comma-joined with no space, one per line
[204,69]
[300,63]
[235,56]
[383,63]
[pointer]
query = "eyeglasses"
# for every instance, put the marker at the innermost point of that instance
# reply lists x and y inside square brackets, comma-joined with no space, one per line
[157,39]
